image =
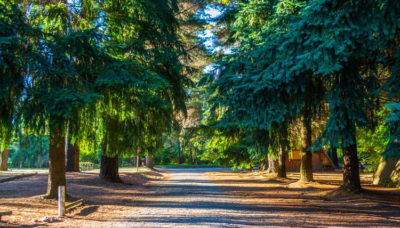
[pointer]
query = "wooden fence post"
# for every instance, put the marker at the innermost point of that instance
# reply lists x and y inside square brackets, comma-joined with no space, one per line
[61,200]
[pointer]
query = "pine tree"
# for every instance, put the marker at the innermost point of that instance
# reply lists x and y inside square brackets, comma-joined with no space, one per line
[62,81]
[15,52]
[148,83]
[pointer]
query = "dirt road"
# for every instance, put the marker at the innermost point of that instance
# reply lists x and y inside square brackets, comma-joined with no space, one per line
[189,198]
[202,198]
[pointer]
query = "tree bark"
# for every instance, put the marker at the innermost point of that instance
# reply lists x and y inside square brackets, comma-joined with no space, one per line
[384,172]
[271,164]
[137,162]
[4,160]
[72,157]
[282,163]
[6,152]
[264,164]
[109,164]
[306,169]
[56,162]
[334,156]
[109,168]
[150,162]
[179,151]
[351,173]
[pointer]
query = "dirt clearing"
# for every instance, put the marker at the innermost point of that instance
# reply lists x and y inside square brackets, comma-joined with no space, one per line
[309,205]
[202,197]
[104,200]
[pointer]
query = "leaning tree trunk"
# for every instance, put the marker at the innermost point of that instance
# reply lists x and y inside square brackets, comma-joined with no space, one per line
[56,162]
[271,164]
[282,163]
[4,160]
[351,173]
[334,157]
[72,157]
[383,175]
[306,169]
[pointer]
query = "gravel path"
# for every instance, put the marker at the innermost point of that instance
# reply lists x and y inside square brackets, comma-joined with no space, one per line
[188,198]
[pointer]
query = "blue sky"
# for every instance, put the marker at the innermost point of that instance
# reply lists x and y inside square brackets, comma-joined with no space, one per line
[210,14]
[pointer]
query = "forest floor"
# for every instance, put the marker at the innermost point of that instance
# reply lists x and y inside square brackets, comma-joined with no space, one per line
[201,197]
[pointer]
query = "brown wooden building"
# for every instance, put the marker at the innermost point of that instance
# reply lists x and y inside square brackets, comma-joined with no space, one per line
[320,161]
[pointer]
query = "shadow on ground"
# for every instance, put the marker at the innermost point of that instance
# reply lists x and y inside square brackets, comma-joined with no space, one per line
[188,197]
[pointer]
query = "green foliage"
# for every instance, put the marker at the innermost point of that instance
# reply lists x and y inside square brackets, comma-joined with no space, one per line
[15,54]
[393,123]
[372,143]
[168,154]
[110,71]
[237,156]
[291,59]
[30,152]
[115,72]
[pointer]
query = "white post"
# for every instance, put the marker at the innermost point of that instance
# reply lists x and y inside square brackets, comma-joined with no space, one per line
[61,200]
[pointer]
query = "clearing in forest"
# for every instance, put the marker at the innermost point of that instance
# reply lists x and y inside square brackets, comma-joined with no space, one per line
[201,198]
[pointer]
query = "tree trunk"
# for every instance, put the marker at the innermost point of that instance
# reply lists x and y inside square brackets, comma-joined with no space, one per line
[137,162]
[306,169]
[56,162]
[6,152]
[179,152]
[282,163]
[72,157]
[109,168]
[108,165]
[149,162]
[383,175]
[190,153]
[351,173]
[334,157]
[264,164]
[271,164]
[4,160]
[182,153]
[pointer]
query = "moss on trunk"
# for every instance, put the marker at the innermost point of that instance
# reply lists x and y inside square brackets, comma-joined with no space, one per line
[388,173]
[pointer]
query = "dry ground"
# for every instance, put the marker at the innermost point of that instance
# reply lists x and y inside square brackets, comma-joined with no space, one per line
[201,198]
[104,200]
[311,205]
